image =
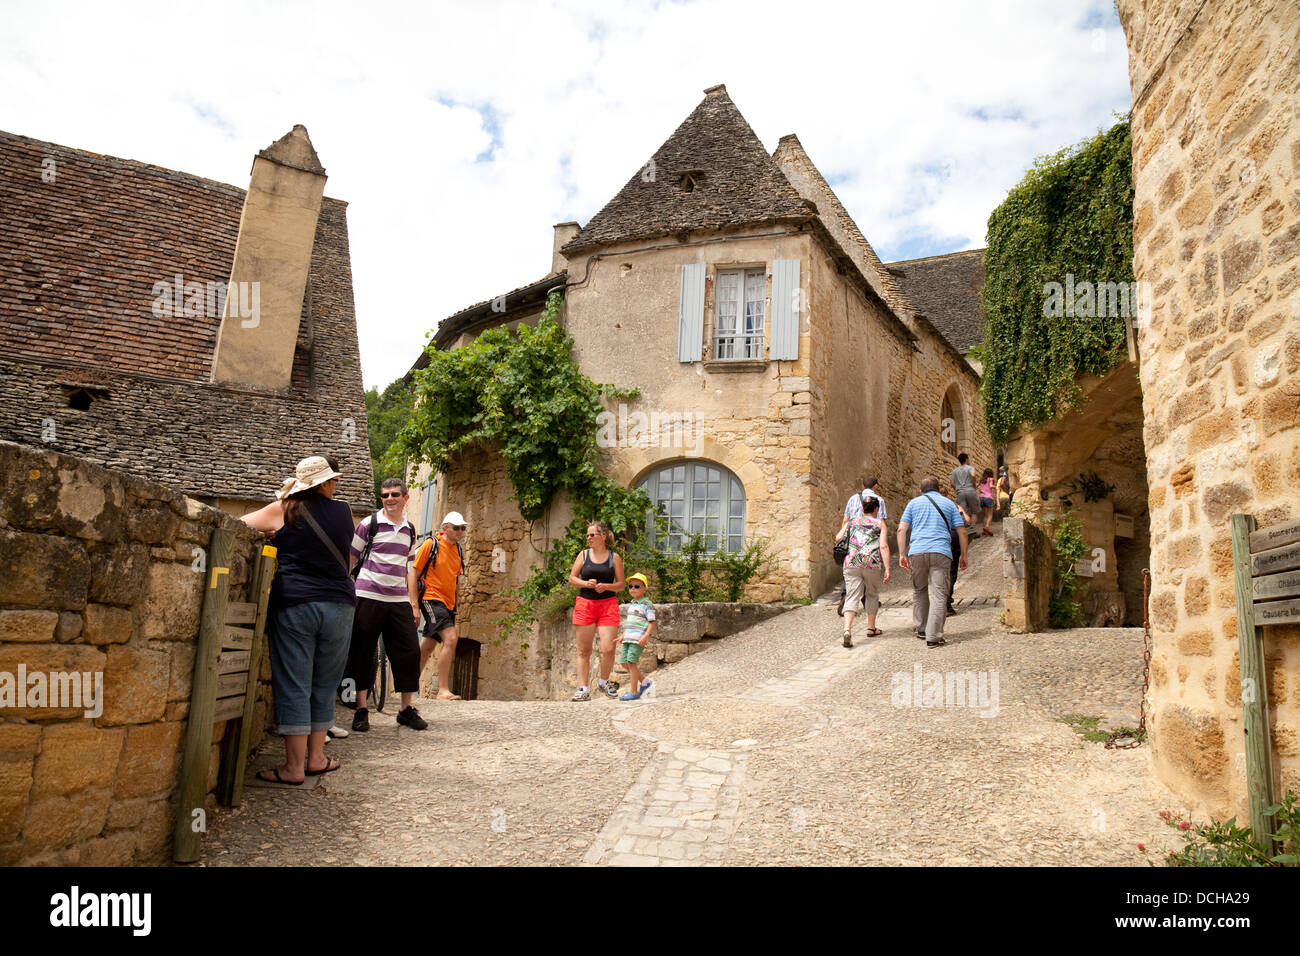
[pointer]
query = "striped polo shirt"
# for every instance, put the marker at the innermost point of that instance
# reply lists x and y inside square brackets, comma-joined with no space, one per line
[383,576]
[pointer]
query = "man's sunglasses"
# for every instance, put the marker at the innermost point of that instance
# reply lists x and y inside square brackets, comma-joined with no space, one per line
[457,527]
[385,494]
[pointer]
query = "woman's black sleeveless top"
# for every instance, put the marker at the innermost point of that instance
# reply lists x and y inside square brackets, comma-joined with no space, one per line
[603,572]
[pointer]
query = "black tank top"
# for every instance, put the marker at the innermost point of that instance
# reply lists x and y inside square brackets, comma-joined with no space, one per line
[603,572]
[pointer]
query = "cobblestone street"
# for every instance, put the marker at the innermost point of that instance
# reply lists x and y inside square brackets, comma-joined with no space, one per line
[774,746]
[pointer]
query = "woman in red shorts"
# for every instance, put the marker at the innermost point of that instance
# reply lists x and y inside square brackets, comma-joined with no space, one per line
[598,574]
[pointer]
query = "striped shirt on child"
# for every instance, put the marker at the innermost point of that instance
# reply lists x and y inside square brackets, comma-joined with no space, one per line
[383,577]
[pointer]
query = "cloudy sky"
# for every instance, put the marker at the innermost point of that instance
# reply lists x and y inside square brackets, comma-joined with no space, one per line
[459,133]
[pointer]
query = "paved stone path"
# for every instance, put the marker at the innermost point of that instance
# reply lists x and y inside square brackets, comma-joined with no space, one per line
[773,746]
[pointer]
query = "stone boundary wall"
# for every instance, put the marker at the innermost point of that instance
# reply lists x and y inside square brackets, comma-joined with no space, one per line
[681,629]
[1027,566]
[1216,177]
[97,576]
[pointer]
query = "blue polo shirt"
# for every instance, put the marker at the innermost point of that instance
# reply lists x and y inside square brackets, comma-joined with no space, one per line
[929,533]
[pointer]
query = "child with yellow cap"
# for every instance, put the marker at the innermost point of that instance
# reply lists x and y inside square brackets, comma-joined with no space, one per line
[640,623]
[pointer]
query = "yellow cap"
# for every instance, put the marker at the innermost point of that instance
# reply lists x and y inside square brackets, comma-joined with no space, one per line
[638,577]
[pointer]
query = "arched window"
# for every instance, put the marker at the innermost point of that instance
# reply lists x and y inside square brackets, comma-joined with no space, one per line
[696,498]
[952,422]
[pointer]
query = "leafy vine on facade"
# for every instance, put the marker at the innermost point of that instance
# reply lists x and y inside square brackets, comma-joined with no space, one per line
[1068,222]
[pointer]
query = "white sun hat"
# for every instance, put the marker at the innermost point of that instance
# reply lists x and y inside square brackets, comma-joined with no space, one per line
[454,517]
[310,472]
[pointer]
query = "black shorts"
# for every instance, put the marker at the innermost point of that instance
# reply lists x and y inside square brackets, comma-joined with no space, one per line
[437,618]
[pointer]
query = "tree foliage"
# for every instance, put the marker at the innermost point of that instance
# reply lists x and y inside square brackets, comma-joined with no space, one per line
[1072,215]
[386,413]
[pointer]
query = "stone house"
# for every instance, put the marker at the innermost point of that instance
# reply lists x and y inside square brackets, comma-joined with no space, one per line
[777,360]
[179,329]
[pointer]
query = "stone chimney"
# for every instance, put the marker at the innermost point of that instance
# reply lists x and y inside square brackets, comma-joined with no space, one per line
[564,231]
[268,279]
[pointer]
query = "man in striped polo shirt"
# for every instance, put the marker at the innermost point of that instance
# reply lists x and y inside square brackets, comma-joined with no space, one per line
[386,604]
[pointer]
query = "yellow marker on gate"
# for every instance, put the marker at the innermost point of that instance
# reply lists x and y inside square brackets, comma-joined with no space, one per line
[268,551]
[215,572]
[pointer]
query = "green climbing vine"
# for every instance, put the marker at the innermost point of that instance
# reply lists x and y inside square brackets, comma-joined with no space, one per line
[1069,222]
[1066,531]
[521,393]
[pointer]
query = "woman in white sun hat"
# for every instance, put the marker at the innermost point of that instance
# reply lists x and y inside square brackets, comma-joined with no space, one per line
[313,599]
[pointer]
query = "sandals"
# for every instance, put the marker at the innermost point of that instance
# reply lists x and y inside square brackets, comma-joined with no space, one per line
[848,639]
[874,632]
[330,767]
[262,775]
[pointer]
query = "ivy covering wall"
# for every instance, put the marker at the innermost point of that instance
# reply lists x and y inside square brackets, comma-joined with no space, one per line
[1069,222]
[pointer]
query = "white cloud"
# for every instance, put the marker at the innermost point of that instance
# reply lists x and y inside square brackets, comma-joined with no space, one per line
[922,115]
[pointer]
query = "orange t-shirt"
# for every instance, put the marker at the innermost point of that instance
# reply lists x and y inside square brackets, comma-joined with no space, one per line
[440,580]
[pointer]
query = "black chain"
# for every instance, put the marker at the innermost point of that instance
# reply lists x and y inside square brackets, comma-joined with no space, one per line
[1126,740]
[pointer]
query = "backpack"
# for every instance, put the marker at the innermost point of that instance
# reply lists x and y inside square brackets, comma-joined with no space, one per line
[432,562]
[370,543]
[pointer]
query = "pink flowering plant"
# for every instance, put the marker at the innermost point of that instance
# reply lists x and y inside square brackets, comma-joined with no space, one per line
[1220,843]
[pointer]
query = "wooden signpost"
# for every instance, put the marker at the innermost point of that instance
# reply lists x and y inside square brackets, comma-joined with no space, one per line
[226,665]
[1264,564]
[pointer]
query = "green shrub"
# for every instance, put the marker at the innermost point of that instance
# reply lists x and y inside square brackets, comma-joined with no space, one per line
[1225,844]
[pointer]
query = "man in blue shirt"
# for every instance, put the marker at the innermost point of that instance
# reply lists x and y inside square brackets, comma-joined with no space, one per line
[931,518]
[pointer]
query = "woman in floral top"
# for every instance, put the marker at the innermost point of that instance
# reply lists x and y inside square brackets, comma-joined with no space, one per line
[866,568]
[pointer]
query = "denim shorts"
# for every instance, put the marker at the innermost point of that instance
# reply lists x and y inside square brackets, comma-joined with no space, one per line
[309,650]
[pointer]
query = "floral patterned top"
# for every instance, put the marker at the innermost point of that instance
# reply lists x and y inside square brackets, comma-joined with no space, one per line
[864,543]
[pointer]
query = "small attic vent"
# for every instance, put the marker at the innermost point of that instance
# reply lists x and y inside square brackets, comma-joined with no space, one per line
[690,179]
[80,399]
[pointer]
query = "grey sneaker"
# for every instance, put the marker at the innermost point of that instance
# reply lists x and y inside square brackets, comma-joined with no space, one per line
[610,687]
[581,694]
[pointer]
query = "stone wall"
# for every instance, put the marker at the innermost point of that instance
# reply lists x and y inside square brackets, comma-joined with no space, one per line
[1027,569]
[97,576]
[680,630]
[1216,166]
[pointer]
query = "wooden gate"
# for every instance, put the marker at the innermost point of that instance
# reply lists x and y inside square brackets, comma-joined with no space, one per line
[226,665]
[1267,584]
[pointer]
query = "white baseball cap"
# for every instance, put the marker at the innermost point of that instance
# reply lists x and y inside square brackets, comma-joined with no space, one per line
[454,517]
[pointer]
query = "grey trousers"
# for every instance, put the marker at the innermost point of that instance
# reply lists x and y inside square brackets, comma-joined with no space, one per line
[930,572]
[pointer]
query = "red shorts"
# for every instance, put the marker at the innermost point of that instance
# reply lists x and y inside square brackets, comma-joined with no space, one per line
[601,613]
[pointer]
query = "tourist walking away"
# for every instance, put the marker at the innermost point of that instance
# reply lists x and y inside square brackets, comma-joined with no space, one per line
[987,503]
[436,575]
[311,608]
[598,574]
[853,509]
[931,521]
[870,486]
[639,626]
[1005,494]
[382,548]
[963,486]
[866,566]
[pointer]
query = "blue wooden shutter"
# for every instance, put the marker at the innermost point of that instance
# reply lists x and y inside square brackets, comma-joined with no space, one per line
[690,315]
[785,313]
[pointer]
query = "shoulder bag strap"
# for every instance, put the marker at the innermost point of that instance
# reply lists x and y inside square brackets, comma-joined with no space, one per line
[946,523]
[320,533]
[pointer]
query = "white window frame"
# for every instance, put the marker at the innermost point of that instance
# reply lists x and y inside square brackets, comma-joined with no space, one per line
[740,345]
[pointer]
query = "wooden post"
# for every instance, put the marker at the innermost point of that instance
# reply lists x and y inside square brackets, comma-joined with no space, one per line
[464,669]
[203,692]
[235,749]
[1254,690]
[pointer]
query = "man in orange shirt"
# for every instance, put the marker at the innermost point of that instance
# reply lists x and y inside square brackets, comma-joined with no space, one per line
[438,602]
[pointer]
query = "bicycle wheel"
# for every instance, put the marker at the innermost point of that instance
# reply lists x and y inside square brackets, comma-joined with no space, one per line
[381,678]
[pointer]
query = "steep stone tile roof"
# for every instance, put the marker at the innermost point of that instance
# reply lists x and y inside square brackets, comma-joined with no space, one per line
[947,290]
[711,173]
[79,257]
